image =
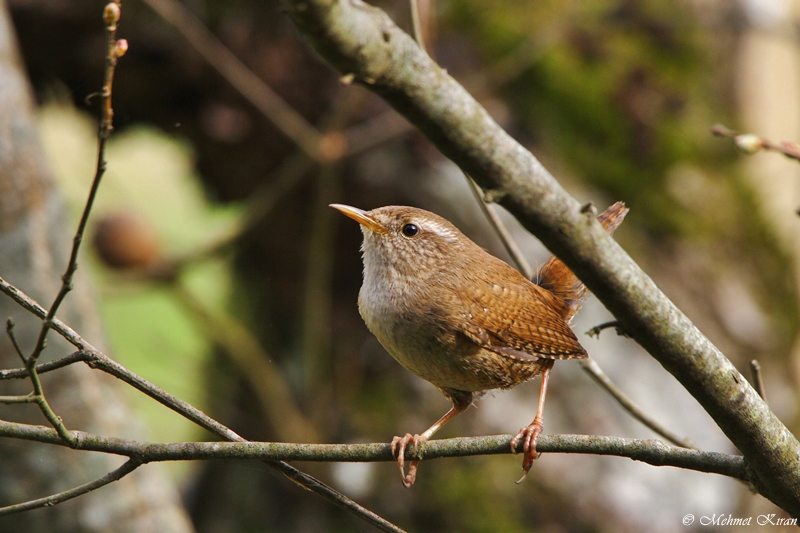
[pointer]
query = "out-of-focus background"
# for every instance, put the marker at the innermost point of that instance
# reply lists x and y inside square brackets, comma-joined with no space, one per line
[616,97]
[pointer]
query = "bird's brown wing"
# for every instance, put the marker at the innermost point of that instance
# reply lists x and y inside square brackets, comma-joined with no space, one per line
[520,321]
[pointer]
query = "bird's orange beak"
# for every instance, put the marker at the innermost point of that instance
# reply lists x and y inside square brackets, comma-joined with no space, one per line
[360,216]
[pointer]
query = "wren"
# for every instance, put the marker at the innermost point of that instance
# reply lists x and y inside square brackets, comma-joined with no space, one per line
[460,318]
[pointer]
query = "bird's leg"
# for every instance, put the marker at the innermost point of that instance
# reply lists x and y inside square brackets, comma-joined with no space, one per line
[399,444]
[531,433]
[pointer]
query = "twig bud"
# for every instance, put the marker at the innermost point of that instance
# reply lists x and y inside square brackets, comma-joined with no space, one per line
[111,15]
[120,48]
[748,143]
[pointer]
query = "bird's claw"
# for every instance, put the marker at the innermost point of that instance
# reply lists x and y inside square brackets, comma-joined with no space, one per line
[529,435]
[399,445]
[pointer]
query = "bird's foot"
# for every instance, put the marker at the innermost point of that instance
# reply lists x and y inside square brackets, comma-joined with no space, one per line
[528,436]
[399,445]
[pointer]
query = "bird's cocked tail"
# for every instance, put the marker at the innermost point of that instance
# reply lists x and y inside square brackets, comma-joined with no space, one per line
[558,279]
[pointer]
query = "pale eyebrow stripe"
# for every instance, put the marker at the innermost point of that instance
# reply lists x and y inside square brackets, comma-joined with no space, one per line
[440,229]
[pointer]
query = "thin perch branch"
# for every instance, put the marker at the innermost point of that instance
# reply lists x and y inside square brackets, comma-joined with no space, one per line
[30,305]
[37,396]
[653,452]
[44,405]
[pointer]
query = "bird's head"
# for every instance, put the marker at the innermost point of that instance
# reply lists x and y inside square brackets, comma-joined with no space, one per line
[407,241]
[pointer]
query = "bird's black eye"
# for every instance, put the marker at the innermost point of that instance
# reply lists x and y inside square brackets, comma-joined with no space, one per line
[410,230]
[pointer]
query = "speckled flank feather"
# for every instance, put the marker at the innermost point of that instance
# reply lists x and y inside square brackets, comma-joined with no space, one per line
[524,321]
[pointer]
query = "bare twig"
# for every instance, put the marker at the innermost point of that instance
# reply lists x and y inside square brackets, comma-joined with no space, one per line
[259,206]
[96,359]
[114,50]
[258,93]
[43,368]
[505,237]
[653,452]
[595,331]
[750,143]
[28,398]
[37,396]
[286,177]
[115,475]
[758,384]
[374,131]
[244,350]
[416,24]
[600,377]
[318,284]
[10,331]
[44,406]
[30,305]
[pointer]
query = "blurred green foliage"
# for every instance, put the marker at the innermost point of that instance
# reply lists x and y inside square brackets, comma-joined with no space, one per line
[618,93]
[150,176]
